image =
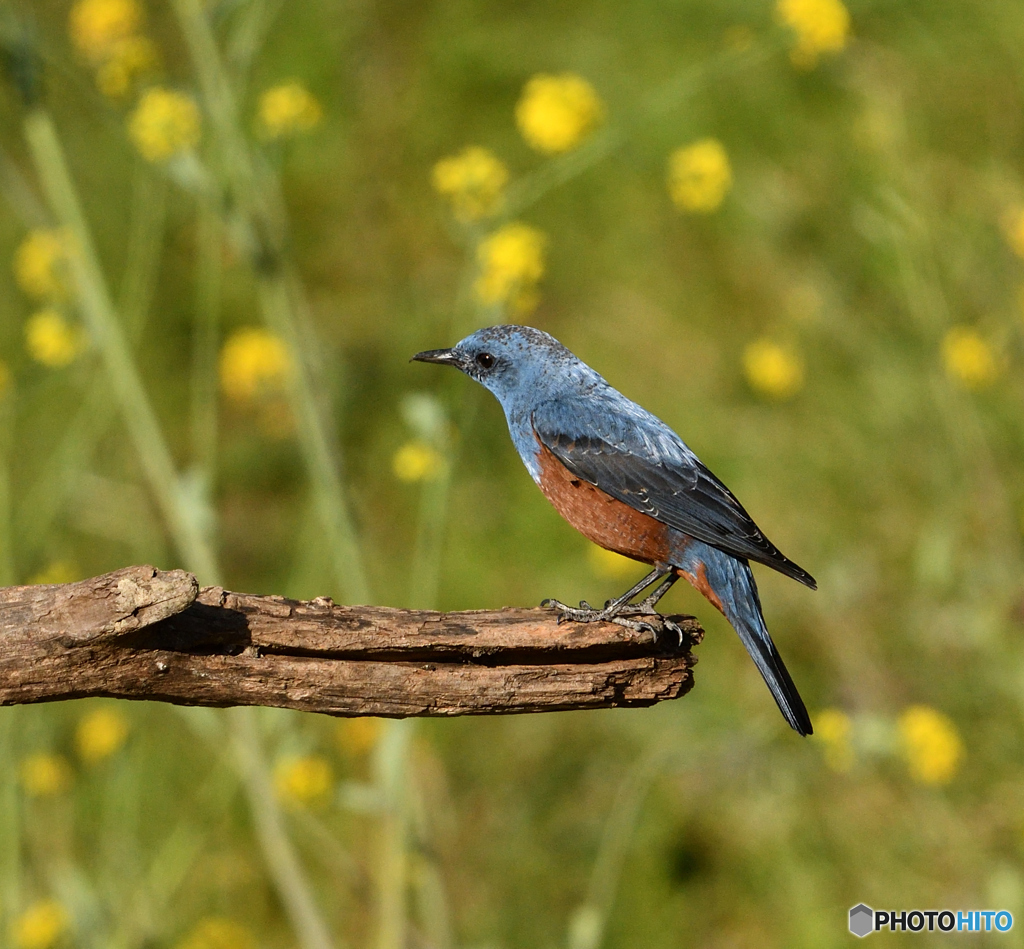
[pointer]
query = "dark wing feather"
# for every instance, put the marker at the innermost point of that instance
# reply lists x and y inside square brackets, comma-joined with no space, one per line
[633,456]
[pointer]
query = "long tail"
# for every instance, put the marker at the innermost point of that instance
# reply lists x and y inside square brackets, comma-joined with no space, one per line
[729,581]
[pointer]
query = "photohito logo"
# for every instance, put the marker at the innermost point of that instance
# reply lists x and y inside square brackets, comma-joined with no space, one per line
[864,920]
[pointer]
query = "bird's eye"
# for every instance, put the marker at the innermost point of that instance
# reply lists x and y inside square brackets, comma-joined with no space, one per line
[484,360]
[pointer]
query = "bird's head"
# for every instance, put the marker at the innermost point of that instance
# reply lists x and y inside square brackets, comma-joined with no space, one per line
[511,361]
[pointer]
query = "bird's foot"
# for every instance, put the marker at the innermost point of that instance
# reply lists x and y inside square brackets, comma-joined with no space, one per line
[623,616]
[585,613]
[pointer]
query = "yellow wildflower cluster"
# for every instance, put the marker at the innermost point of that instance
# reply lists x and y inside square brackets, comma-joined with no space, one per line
[821,27]
[511,265]
[41,926]
[416,461]
[100,733]
[969,358]
[608,564]
[51,340]
[98,25]
[773,370]
[301,782]
[217,932]
[45,775]
[699,176]
[288,109]
[165,123]
[931,744]
[474,181]
[108,34]
[41,265]
[357,736]
[834,729]
[254,364]
[556,113]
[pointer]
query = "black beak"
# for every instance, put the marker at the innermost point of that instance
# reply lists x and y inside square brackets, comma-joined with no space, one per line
[445,357]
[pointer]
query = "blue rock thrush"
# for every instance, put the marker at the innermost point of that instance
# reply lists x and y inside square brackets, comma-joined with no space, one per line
[626,481]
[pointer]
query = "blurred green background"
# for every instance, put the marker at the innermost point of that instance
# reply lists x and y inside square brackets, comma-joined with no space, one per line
[208,367]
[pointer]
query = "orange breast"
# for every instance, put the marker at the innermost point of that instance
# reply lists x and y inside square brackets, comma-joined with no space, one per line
[600,517]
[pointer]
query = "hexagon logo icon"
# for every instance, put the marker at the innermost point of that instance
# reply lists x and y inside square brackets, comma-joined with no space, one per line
[862,919]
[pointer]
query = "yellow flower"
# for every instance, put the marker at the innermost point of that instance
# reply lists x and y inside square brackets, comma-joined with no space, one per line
[216,932]
[555,113]
[40,926]
[98,25]
[164,124]
[473,180]
[100,734]
[699,176]
[60,571]
[51,340]
[772,369]
[44,775]
[833,728]
[969,358]
[931,744]
[511,264]
[607,563]
[416,461]
[40,265]
[301,782]
[127,60]
[254,363]
[821,26]
[288,109]
[357,736]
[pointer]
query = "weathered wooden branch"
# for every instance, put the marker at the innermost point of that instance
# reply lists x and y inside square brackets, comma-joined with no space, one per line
[142,633]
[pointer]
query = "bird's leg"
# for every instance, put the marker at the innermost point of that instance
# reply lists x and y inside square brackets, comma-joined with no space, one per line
[647,606]
[585,613]
[648,603]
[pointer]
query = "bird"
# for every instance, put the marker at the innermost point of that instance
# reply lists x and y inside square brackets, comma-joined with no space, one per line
[629,483]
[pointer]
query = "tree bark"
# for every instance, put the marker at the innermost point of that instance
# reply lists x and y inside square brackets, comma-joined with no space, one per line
[142,633]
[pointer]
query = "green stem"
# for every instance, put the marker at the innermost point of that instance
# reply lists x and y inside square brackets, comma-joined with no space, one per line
[282,860]
[248,39]
[425,576]
[390,776]
[8,571]
[10,815]
[205,342]
[590,921]
[259,199]
[49,491]
[320,451]
[99,314]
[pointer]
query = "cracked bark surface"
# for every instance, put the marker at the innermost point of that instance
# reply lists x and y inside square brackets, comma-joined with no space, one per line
[143,633]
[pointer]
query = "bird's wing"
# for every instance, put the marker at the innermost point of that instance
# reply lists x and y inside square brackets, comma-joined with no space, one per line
[633,456]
